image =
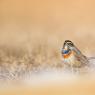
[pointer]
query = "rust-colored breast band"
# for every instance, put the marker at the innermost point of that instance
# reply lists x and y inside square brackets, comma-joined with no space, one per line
[67,55]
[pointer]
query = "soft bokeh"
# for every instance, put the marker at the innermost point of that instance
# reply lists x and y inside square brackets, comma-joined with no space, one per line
[32,33]
[54,20]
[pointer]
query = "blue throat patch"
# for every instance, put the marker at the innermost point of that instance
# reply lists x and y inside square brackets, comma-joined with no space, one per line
[66,51]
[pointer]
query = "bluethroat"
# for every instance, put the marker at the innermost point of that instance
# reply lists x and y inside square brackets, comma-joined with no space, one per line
[72,56]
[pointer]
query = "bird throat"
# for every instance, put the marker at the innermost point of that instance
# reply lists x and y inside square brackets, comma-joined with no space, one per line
[67,55]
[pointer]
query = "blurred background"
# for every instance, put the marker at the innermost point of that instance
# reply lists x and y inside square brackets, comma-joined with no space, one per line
[40,27]
[54,21]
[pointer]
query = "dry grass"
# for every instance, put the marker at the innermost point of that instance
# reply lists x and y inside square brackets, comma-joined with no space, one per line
[27,52]
[31,54]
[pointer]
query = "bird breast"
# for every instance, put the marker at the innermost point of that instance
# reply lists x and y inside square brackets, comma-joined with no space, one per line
[71,60]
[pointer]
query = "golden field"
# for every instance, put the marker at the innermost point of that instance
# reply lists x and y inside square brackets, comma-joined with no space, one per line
[32,34]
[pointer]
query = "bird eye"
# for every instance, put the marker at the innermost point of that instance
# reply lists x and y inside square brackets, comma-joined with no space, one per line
[71,44]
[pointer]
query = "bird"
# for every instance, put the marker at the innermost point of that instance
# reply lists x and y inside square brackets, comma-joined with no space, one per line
[72,56]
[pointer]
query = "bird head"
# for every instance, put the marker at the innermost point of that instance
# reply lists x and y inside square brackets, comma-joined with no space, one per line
[67,47]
